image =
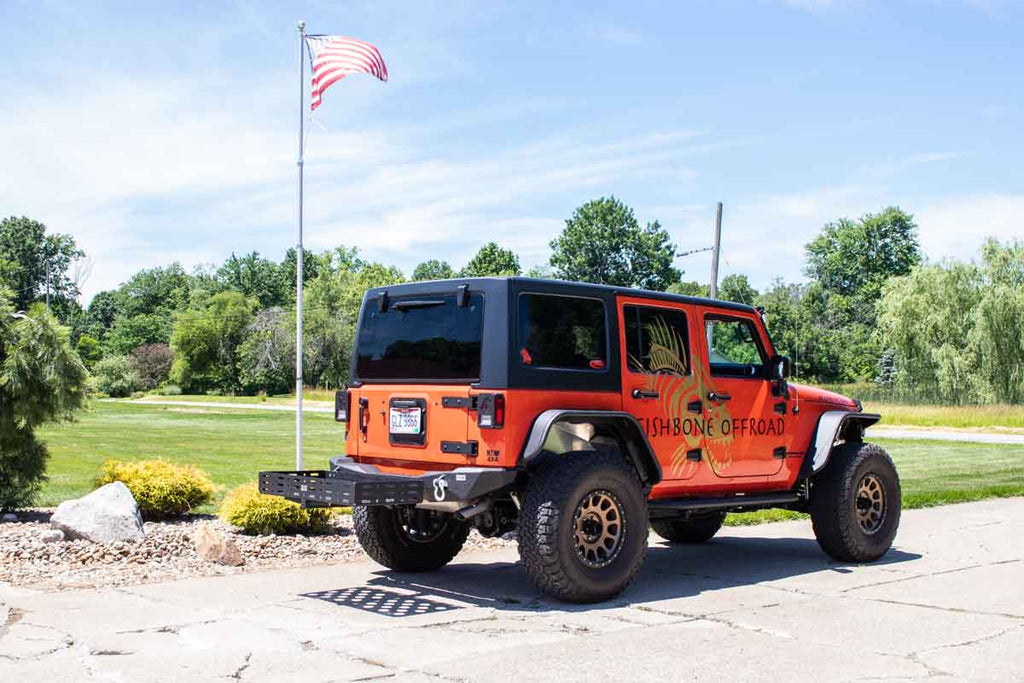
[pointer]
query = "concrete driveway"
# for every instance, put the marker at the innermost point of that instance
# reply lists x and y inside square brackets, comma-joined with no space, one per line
[759,603]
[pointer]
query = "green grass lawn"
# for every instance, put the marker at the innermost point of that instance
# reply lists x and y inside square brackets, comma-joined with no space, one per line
[994,417]
[910,413]
[316,396]
[234,445]
[1003,417]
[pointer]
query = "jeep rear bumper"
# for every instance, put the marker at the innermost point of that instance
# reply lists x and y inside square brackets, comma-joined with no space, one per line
[349,483]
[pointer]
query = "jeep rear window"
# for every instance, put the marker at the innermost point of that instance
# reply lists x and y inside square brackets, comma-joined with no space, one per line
[563,332]
[420,338]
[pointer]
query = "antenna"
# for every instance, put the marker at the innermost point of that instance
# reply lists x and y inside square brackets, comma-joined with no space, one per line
[796,365]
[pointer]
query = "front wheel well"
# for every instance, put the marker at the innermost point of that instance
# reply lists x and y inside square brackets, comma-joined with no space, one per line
[852,430]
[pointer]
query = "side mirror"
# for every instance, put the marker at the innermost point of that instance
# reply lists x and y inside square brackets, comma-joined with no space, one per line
[779,367]
[778,371]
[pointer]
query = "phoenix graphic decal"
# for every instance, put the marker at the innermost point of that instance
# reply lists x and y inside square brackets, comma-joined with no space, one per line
[667,374]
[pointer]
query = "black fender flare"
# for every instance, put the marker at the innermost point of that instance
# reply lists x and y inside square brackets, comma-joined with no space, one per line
[623,426]
[834,426]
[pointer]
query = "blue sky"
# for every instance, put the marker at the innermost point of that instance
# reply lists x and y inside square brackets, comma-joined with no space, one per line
[155,133]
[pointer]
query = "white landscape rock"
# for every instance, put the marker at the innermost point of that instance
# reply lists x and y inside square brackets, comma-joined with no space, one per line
[107,515]
[52,536]
[214,546]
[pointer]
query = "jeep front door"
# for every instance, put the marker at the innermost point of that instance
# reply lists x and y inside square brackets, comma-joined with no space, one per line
[744,435]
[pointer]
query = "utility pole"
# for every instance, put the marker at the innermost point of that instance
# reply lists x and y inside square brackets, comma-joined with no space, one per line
[716,251]
[47,283]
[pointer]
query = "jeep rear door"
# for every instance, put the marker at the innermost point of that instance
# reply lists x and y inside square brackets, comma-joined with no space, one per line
[659,386]
[415,359]
[744,436]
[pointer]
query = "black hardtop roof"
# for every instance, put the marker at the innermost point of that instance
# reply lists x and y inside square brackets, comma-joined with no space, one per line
[556,286]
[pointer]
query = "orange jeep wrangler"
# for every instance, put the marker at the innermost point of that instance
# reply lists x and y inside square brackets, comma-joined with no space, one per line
[578,415]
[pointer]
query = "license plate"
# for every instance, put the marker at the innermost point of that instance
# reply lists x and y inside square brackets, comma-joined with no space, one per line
[406,420]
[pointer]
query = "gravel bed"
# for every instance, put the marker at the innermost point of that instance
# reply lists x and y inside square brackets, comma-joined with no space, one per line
[167,553]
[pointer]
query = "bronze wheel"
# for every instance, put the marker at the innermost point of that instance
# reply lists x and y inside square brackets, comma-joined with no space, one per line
[855,503]
[870,504]
[598,528]
[583,525]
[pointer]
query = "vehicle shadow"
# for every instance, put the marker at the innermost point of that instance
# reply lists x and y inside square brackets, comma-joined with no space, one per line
[669,572]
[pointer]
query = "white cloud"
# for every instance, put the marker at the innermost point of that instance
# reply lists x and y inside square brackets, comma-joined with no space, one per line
[954,227]
[892,166]
[424,204]
[146,171]
[764,237]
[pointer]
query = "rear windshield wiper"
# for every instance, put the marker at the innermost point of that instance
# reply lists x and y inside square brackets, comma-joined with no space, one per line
[417,303]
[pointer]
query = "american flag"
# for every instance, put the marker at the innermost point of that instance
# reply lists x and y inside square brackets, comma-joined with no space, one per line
[335,57]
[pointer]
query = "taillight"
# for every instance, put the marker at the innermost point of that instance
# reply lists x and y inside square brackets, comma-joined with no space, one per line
[364,416]
[341,402]
[490,411]
[499,410]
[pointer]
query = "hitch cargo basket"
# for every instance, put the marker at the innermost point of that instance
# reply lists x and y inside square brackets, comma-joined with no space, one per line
[320,488]
[350,483]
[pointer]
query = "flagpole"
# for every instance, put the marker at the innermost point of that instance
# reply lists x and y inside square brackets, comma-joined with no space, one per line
[298,258]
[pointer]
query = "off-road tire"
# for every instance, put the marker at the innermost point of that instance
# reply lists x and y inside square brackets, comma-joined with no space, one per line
[383,538]
[547,526]
[691,530]
[834,502]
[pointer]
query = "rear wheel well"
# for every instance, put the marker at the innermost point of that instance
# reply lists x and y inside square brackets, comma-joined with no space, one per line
[560,431]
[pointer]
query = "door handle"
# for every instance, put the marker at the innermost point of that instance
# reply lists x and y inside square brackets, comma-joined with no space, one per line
[364,416]
[640,393]
[714,396]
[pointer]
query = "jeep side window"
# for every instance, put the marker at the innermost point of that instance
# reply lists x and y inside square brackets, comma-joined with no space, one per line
[562,332]
[657,340]
[734,348]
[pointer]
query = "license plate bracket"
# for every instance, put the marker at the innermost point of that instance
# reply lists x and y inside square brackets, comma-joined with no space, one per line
[407,421]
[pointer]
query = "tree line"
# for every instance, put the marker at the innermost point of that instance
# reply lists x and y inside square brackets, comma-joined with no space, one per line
[872,308]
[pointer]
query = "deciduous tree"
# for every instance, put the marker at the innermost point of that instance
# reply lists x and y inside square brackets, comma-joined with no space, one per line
[205,340]
[737,288]
[255,277]
[433,270]
[151,364]
[266,358]
[603,242]
[492,260]
[31,258]
[855,258]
